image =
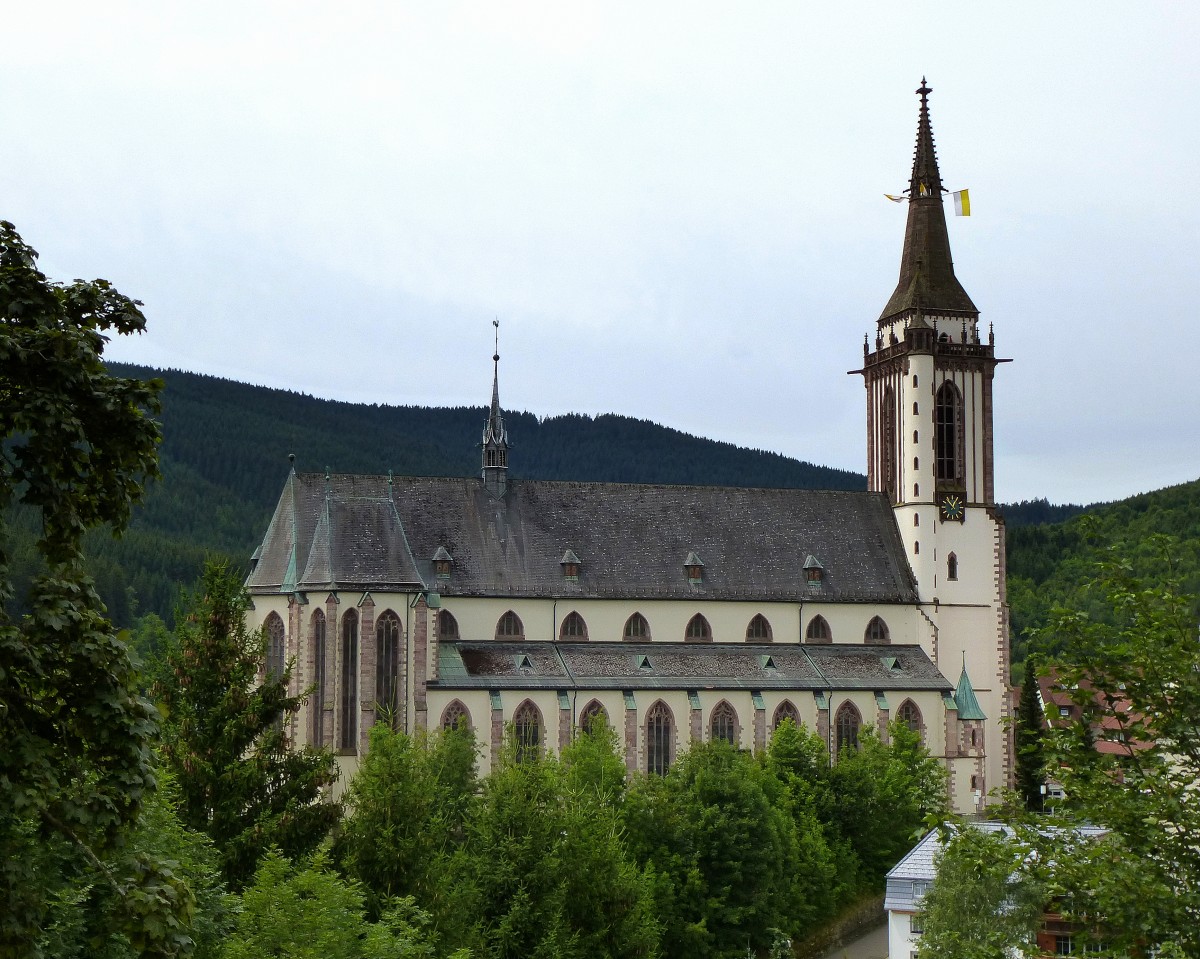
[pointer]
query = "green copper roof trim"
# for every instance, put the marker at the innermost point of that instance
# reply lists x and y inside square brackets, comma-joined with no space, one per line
[757,699]
[495,697]
[822,700]
[964,696]
[564,701]
[630,702]
[694,699]
[881,702]
[450,664]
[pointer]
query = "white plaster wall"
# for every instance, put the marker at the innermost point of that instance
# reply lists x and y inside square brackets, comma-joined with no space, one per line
[477,618]
[901,942]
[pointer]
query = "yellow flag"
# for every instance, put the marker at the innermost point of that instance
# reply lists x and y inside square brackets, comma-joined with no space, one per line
[895,199]
[962,203]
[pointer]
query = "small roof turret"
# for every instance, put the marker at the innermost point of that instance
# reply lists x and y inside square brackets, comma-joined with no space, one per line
[495,436]
[964,696]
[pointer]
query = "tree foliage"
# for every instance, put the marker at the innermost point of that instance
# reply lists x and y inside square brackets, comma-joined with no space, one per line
[547,869]
[983,904]
[1131,761]
[76,446]
[225,736]
[307,911]
[723,850]
[884,793]
[408,808]
[1050,565]
[1030,758]
[89,917]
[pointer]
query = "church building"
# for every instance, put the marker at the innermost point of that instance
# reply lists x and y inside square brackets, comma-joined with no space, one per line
[677,614]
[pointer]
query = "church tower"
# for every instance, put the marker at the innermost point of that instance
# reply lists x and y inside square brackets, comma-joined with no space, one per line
[495,436]
[929,448]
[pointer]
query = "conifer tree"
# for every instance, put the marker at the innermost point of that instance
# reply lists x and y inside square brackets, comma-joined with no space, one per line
[224,736]
[1030,758]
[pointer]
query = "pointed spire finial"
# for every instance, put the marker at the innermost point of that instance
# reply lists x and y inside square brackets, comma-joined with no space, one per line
[495,436]
[927,281]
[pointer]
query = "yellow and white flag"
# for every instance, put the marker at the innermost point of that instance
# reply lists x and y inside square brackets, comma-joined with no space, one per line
[962,203]
[896,199]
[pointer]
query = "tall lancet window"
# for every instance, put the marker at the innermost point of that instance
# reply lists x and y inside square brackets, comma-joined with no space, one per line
[348,694]
[948,438]
[887,461]
[276,647]
[387,667]
[317,702]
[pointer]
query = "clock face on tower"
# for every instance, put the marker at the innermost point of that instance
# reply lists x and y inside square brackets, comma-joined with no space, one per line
[951,507]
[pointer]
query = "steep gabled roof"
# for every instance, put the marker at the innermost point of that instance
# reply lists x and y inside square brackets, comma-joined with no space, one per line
[370,532]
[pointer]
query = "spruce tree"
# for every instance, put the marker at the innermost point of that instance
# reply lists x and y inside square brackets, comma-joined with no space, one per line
[1030,759]
[224,736]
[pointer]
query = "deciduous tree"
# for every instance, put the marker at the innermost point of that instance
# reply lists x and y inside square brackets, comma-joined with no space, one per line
[1135,669]
[76,445]
[983,903]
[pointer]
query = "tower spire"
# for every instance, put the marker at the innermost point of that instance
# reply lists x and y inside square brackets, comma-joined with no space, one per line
[927,281]
[495,436]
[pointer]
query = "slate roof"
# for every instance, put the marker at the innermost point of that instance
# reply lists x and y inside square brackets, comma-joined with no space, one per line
[376,532]
[918,864]
[927,281]
[590,665]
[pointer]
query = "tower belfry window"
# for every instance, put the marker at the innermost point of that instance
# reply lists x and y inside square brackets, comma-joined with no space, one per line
[947,434]
[888,460]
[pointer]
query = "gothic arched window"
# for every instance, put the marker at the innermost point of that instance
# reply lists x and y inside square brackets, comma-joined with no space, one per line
[846,726]
[510,627]
[527,729]
[447,625]
[947,434]
[951,567]
[818,631]
[456,716]
[877,632]
[660,735]
[887,459]
[698,630]
[276,647]
[317,700]
[785,710]
[909,715]
[758,630]
[348,694]
[594,717]
[573,629]
[637,630]
[387,667]
[722,723]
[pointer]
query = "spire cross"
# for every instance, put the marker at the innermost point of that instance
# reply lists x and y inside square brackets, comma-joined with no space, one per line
[496,354]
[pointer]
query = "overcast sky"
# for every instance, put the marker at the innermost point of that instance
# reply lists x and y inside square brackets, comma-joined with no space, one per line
[675,210]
